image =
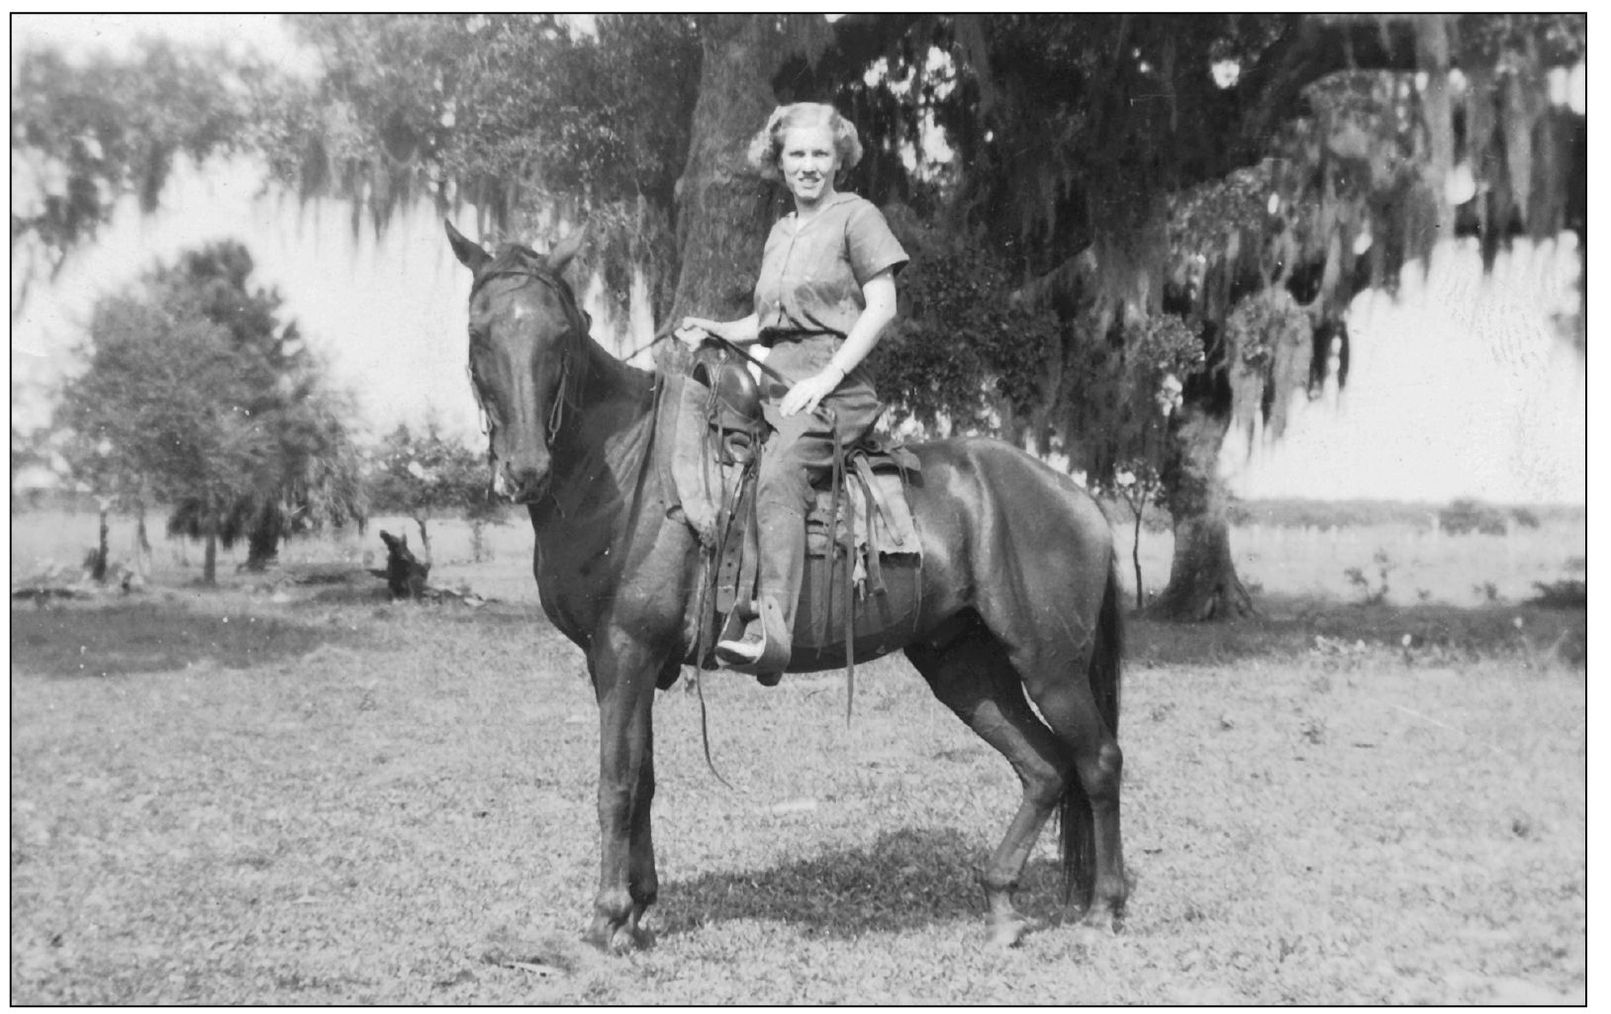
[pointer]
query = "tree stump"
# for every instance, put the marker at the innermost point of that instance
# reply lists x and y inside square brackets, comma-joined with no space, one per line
[406,577]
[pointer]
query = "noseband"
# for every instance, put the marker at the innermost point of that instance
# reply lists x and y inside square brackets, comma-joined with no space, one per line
[568,391]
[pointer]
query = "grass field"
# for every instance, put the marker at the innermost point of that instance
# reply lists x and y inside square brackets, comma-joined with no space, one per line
[283,793]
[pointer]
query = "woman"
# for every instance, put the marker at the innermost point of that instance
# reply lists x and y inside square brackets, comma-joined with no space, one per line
[825,294]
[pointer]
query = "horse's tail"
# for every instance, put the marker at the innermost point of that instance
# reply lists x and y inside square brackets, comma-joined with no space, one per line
[1077,828]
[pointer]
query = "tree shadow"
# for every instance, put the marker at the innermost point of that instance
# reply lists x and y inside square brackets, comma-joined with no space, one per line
[139,637]
[1291,624]
[908,878]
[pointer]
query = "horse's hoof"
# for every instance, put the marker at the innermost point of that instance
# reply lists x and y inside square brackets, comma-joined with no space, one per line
[610,939]
[1009,933]
[1100,922]
[625,941]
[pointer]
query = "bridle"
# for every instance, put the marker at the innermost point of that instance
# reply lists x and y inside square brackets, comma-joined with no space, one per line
[571,376]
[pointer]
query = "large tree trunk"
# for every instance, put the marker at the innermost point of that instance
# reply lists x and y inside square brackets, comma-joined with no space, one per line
[724,208]
[1202,579]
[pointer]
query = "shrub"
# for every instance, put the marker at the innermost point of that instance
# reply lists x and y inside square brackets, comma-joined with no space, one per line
[1466,515]
[1563,594]
[1524,517]
[1375,592]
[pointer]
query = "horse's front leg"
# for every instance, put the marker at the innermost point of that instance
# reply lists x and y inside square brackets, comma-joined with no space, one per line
[624,673]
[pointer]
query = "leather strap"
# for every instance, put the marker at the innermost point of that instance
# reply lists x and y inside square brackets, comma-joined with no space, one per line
[738,532]
[848,605]
[875,572]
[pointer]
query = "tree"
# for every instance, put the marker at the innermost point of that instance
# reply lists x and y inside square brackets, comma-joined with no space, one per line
[530,118]
[1244,175]
[424,476]
[157,413]
[309,475]
[84,136]
[194,395]
[1136,177]
[1121,168]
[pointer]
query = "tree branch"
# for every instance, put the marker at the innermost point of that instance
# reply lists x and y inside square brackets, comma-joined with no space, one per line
[1313,47]
[1062,287]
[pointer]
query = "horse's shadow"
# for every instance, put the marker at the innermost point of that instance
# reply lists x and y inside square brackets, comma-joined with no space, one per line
[911,877]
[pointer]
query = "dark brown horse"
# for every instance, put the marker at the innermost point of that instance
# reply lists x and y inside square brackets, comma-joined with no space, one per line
[1019,602]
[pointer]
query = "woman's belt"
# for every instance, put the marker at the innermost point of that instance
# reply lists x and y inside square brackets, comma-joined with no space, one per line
[780,336]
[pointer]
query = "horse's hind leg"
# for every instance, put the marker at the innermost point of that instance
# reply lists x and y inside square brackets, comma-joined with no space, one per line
[973,678]
[1094,819]
[1070,671]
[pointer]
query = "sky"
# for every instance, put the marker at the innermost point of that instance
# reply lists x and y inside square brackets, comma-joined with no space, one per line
[1458,387]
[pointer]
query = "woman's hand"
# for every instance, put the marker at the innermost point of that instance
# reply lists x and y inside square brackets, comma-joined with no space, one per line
[694,330]
[806,395]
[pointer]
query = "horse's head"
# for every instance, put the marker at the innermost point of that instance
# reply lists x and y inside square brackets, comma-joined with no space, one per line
[526,354]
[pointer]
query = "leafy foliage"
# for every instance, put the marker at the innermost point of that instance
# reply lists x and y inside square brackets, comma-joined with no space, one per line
[515,114]
[84,136]
[1567,593]
[426,475]
[1466,515]
[307,475]
[962,352]
[1269,342]
[160,409]
[1114,168]
[1108,139]
[195,394]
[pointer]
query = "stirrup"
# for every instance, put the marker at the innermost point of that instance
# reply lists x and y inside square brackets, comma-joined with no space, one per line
[765,659]
[741,651]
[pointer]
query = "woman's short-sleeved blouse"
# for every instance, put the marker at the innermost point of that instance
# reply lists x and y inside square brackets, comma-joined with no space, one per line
[812,273]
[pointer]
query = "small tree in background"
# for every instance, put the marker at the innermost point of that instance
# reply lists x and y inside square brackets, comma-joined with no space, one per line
[426,475]
[158,413]
[194,395]
[307,477]
[1136,482]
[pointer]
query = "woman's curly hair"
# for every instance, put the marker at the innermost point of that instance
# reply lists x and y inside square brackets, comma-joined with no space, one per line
[767,145]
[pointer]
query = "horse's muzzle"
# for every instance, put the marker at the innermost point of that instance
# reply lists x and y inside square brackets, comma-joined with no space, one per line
[526,484]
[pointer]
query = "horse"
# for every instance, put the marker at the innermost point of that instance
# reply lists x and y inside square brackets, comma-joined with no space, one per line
[1019,597]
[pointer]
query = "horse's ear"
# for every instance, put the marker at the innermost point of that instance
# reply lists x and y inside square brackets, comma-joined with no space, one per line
[566,249]
[469,254]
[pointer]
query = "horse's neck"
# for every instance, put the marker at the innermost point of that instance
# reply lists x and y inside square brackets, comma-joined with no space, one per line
[599,450]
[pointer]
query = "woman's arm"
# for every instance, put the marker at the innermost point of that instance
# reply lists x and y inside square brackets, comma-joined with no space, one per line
[740,332]
[879,294]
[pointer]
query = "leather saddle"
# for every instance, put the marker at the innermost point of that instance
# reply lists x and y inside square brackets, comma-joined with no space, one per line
[860,518]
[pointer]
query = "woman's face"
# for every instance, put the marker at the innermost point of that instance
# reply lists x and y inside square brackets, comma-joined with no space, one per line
[807,162]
